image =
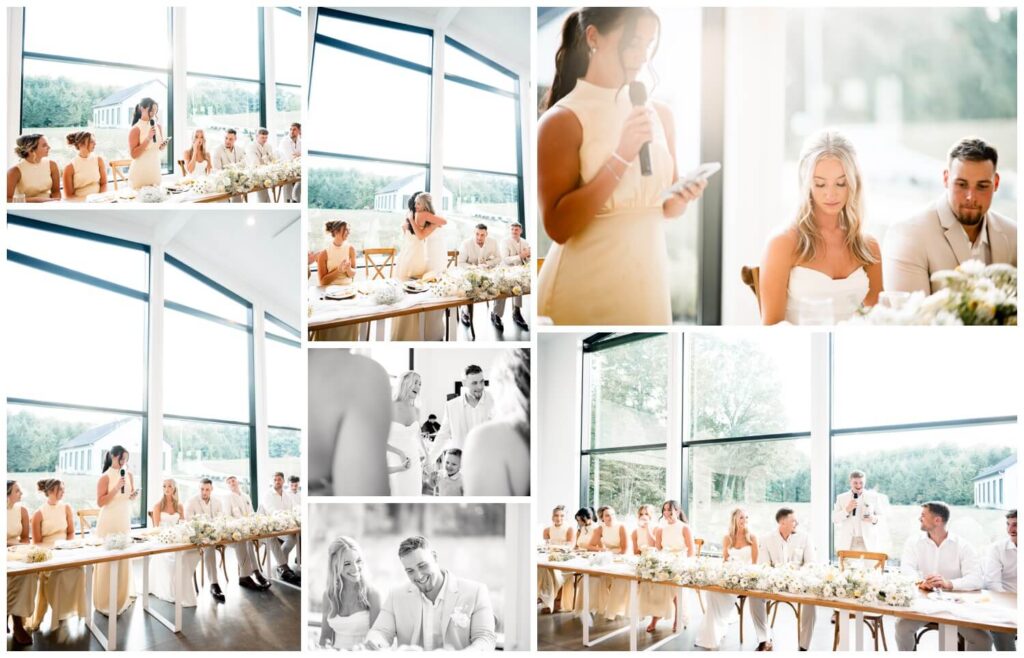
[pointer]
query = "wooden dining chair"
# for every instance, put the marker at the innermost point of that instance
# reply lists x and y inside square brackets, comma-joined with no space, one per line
[873,622]
[453,257]
[83,520]
[772,608]
[540,264]
[386,262]
[181,165]
[117,168]
[752,277]
[698,544]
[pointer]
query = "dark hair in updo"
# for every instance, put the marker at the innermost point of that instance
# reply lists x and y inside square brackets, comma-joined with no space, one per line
[25,144]
[47,485]
[78,139]
[335,226]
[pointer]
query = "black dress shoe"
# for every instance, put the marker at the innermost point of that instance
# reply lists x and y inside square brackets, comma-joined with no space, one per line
[764,646]
[262,582]
[218,595]
[517,317]
[496,321]
[248,583]
[291,577]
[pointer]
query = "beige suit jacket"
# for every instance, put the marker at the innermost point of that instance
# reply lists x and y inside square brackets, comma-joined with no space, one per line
[933,240]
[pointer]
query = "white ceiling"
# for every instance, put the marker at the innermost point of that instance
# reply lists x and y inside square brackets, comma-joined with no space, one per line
[262,262]
[500,33]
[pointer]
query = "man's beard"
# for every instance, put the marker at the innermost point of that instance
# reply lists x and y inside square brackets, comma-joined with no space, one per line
[970,217]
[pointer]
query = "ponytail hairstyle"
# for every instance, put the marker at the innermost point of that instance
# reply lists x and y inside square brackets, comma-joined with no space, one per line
[147,103]
[335,581]
[46,485]
[108,457]
[573,56]
[78,139]
[676,510]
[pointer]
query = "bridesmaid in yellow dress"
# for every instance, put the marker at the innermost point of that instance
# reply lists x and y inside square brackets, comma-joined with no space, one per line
[674,536]
[655,600]
[336,266]
[35,175]
[144,170]
[114,495]
[87,173]
[62,591]
[21,590]
[610,536]
[586,524]
[549,581]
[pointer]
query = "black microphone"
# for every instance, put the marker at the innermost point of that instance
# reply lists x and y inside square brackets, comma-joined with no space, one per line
[152,122]
[638,95]
[122,475]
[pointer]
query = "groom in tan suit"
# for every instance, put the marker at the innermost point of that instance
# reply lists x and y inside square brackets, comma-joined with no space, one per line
[436,610]
[957,227]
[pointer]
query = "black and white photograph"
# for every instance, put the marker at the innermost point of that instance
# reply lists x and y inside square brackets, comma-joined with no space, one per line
[419,577]
[417,422]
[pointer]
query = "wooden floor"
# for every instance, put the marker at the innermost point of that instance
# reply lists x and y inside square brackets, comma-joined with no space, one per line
[248,621]
[487,332]
[563,632]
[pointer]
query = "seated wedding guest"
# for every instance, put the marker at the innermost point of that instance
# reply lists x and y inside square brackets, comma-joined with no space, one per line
[612,593]
[449,483]
[277,499]
[957,227]
[783,546]
[430,427]
[414,615]
[336,265]
[738,546]
[349,421]
[35,177]
[673,534]
[226,154]
[479,251]
[550,581]
[999,574]
[822,267]
[63,591]
[21,590]
[197,158]
[856,515]
[351,603]
[655,600]
[87,172]
[239,505]
[290,148]
[497,451]
[293,487]
[260,153]
[474,407]
[168,511]
[942,561]
[514,251]
[204,504]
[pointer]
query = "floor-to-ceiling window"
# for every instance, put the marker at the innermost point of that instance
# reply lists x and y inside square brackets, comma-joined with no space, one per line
[286,404]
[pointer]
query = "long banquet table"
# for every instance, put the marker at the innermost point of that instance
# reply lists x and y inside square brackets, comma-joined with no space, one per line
[948,621]
[89,556]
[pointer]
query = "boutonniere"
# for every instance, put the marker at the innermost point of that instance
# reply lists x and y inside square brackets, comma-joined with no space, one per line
[461,617]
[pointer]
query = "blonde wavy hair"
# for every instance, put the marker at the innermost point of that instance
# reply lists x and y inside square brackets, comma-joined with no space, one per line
[174,498]
[336,582]
[403,388]
[831,144]
[734,526]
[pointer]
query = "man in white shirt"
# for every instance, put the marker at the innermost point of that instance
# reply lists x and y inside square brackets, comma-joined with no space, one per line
[227,154]
[513,251]
[999,574]
[856,516]
[436,610]
[479,251]
[275,500]
[957,227]
[461,414]
[238,506]
[289,149]
[941,561]
[783,546]
[260,153]
[206,505]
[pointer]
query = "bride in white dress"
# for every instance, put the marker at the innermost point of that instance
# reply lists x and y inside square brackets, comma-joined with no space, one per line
[168,512]
[823,267]
[351,603]
[422,250]
[738,546]
[404,446]
[596,204]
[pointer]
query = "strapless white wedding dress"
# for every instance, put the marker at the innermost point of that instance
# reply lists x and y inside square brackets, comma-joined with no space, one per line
[406,439]
[349,631]
[161,571]
[810,290]
[721,608]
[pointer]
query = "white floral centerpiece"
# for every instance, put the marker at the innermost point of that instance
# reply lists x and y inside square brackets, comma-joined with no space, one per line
[35,554]
[205,531]
[117,542]
[152,194]
[972,294]
[386,293]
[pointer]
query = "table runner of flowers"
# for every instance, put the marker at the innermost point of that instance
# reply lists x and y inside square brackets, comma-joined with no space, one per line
[204,531]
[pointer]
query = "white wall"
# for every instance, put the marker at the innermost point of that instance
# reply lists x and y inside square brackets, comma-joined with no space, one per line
[441,368]
[558,472]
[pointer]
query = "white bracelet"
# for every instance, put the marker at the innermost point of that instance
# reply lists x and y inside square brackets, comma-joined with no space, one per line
[620,158]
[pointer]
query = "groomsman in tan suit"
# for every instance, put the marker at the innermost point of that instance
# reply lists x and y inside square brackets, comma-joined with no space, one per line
[206,505]
[957,227]
[479,251]
[289,149]
[514,251]
[260,153]
[228,154]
